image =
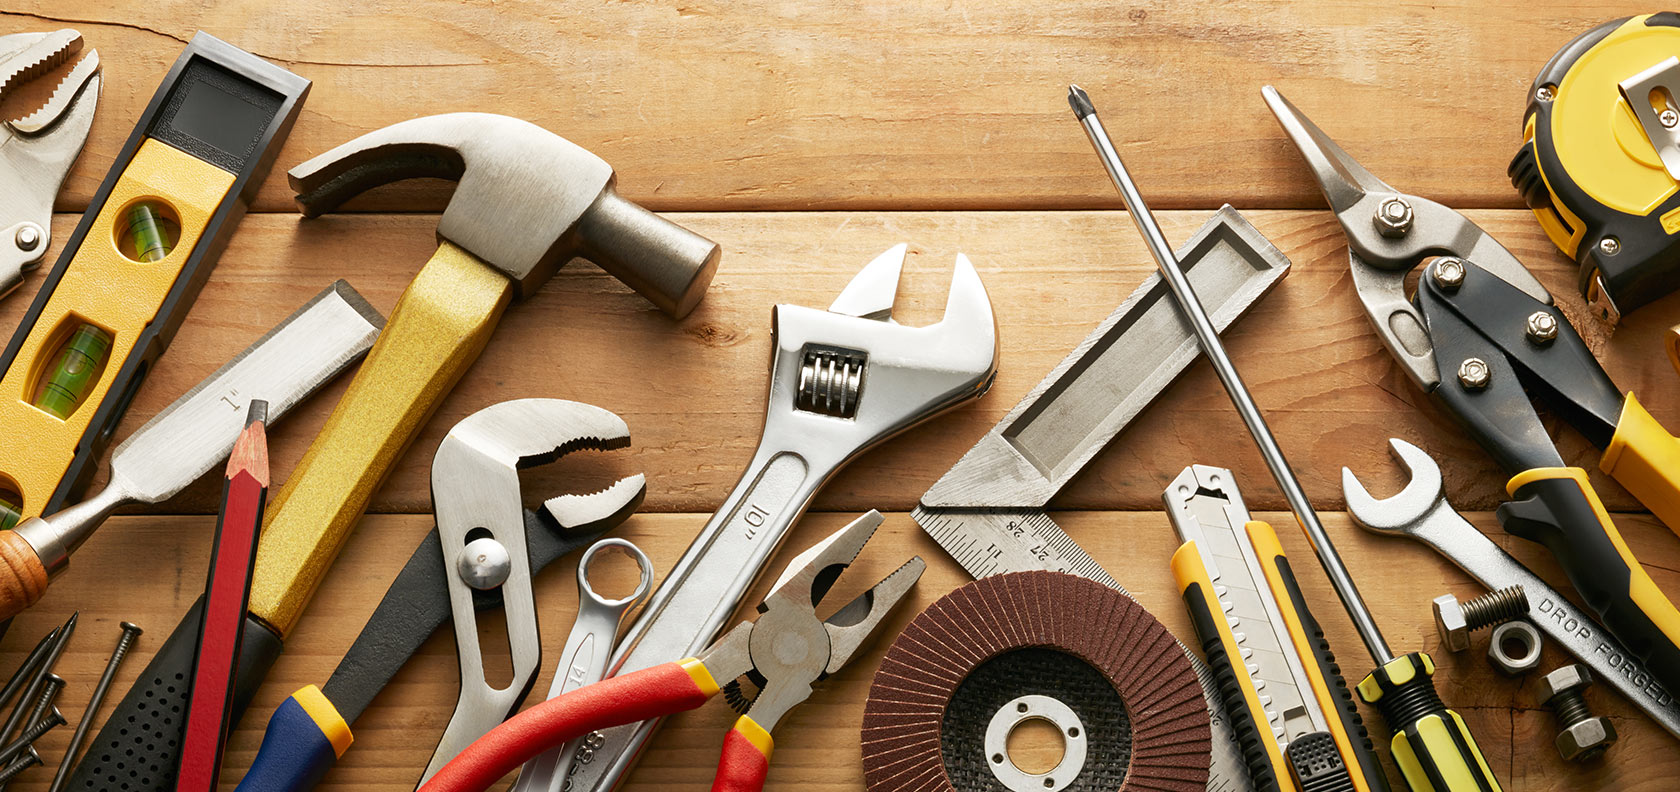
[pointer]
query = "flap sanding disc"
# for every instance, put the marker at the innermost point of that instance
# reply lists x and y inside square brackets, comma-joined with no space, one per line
[1044,645]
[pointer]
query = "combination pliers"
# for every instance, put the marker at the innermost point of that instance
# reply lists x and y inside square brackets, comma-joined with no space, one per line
[1480,334]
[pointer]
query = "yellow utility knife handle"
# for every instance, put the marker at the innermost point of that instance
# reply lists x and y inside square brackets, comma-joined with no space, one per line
[1431,744]
[439,327]
[1645,458]
[1335,700]
[1558,508]
[1266,765]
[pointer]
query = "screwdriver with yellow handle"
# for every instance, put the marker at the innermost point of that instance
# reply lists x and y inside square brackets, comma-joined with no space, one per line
[1295,719]
[1431,743]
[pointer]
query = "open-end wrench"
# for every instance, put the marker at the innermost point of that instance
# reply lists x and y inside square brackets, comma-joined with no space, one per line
[841,382]
[1421,512]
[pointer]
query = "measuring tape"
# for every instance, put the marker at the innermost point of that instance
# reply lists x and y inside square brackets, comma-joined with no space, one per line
[134,266]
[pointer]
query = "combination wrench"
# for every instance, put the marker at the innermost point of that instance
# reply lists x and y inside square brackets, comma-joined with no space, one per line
[1421,512]
[841,382]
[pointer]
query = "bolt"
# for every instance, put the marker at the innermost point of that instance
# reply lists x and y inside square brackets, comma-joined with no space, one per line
[130,633]
[28,237]
[1448,273]
[1474,374]
[1541,327]
[1394,217]
[1582,737]
[484,564]
[1454,621]
[1546,93]
[1610,245]
[1668,118]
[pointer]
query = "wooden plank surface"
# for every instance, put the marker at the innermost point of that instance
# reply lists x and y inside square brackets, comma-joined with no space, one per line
[806,138]
[882,105]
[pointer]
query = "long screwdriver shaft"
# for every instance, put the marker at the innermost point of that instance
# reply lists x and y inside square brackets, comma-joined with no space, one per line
[1168,264]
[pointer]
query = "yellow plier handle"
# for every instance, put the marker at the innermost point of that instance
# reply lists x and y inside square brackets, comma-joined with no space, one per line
[1645,458]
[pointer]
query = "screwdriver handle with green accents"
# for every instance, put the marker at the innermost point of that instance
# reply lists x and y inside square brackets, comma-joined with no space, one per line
[1558,508]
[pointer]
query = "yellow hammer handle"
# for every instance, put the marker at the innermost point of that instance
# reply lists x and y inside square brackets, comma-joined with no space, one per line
[439,327]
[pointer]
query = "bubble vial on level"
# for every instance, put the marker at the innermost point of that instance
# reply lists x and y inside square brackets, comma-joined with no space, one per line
[151,232]
[74,372]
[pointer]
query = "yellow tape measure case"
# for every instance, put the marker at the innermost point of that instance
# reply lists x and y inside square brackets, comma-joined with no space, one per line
[134,266]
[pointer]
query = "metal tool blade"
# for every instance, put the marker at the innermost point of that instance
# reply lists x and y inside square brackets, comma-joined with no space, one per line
[288,363]
[987,510]
[1112,375]
[1206,507]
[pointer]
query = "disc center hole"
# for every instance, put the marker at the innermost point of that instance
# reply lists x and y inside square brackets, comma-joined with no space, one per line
[1036,746]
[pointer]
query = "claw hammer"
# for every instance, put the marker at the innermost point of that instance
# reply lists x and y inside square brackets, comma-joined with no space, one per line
[527,202]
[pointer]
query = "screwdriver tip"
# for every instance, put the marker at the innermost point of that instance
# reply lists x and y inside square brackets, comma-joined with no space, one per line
[1080,102]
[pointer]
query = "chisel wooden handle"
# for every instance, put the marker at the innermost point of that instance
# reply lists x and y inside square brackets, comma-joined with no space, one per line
[439,327]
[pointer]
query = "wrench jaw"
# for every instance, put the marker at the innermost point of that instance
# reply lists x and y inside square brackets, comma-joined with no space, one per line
[1401,512]
[598,511]
[846,381]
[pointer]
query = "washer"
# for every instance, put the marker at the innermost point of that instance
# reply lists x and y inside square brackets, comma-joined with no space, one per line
[1040,708]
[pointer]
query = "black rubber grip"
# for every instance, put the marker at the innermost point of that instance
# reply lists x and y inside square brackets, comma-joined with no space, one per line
[1250,734]
[1347,710]
[138,748]
[1557,513]
[1317,764]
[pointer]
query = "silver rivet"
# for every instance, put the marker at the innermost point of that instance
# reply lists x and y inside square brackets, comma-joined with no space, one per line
[1542,327]
[1668,118]
[1545,93]
[1448,273]
[1474,374]
[28,237]
[1394,217]
[484,564]
[1610,245]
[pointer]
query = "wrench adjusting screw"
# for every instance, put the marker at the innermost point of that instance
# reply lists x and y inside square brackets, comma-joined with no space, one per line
[1582,737]
[1393,218]
[484,564]
[1541,327]
[1454,621]
[830,381]
[1474,374]
[1448,273]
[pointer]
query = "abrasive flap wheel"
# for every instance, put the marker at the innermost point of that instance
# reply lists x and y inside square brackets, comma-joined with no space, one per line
[1042,646]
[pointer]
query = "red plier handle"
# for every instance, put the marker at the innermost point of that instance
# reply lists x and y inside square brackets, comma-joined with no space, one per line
[643,695]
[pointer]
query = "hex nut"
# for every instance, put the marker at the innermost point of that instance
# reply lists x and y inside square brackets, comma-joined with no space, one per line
[1450,623]
[1586,740]
[1561,680]
[1525,636]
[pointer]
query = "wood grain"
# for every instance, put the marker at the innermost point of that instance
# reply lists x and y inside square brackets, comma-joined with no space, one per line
[881,105]
[693,392]
[815,747]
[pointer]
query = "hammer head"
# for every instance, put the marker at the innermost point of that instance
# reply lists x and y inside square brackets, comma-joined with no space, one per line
[527,202]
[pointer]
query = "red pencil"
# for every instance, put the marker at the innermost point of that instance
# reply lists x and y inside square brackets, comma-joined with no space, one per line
[227,594]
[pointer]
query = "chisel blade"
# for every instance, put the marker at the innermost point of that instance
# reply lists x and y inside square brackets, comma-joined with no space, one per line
[291,361]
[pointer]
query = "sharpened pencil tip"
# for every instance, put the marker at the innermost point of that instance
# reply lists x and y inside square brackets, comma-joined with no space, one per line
[1080,102]
[258,412]
[250,451]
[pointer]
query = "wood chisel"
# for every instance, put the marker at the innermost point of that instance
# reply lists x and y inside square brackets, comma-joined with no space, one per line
[1600,159]
[227,592]
[1294,716]
[1431,743]
[988,510]
[134,265]
[184,441]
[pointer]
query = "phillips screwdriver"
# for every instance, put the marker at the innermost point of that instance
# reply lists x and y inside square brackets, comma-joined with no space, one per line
[1431,743]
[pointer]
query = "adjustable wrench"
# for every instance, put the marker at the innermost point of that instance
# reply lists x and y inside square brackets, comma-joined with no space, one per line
[841,382]
[1421,512]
